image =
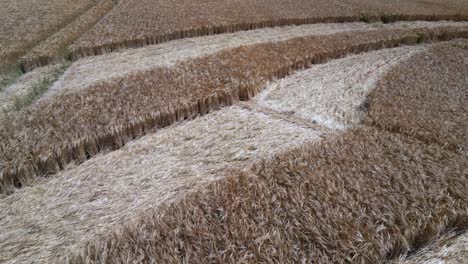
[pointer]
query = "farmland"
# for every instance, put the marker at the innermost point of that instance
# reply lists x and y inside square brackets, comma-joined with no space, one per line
[73,127]
[52,49]
[260,131]
[27,22]
[266,205]
[328,93]
[167,20]
[383,190]
[450,247]
[112,65]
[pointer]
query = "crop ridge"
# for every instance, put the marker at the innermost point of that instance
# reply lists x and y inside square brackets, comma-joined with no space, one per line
[157,168]
[82,51]
[434,109]
[53,48]
[23,163]
[10,55]
[90,70]
[306,199]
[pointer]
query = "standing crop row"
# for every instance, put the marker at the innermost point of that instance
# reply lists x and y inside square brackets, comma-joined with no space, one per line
[136,23]
[366,196]
[45,137]
[25,23]
[52,49]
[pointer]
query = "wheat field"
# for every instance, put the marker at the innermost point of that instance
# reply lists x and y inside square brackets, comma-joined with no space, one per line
[162,96]
[25,22]
[260,131]
[306,204]
[54,47]
[162,20]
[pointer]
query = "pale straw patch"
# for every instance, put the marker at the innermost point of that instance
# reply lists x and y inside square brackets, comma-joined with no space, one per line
[333,94]
[450,248]
[87,71]
[59,214]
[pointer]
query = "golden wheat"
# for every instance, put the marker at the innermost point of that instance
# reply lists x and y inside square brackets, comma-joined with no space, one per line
[366,196]
[24,23]
[136,23]
[434,106]
[104,67]
[52,49]
[112,188]
[378,205]
[333,94]
[44,138]
[449,248]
